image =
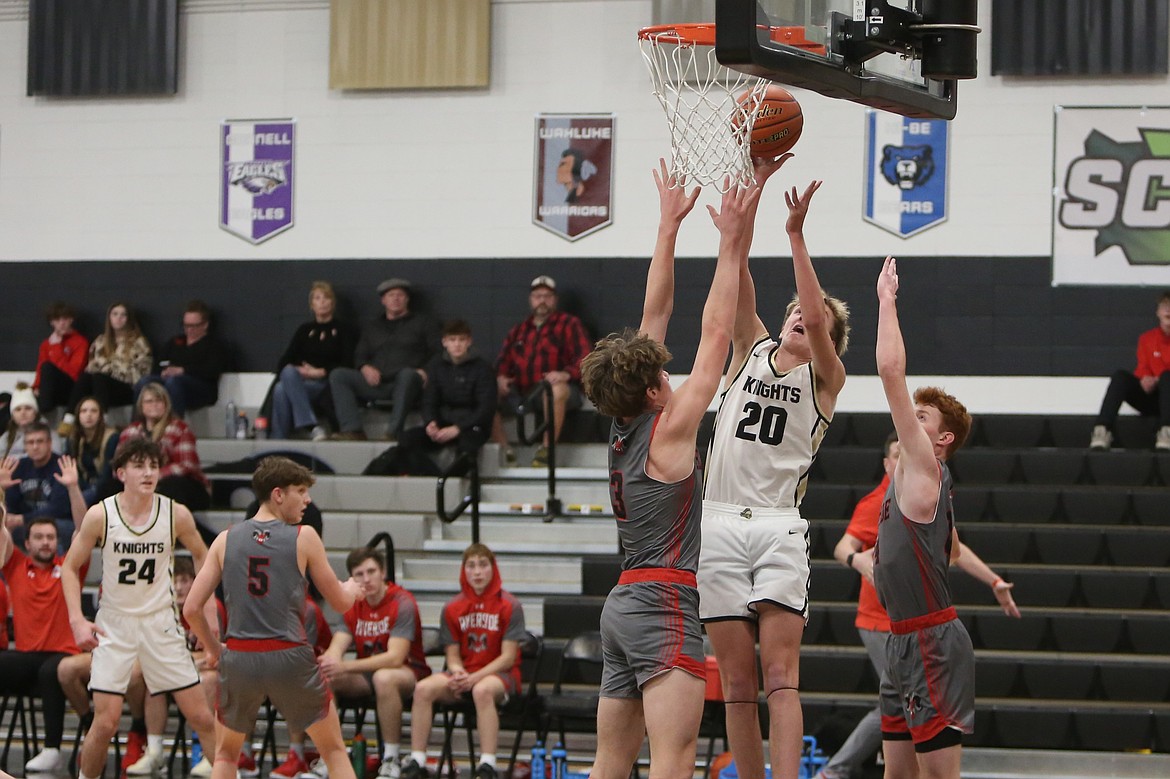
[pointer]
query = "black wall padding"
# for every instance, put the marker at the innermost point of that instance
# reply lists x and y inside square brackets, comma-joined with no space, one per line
[103,47]
[1079,37]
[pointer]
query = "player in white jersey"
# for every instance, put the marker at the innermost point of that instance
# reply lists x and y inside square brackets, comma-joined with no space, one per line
[753,567]
[136,531]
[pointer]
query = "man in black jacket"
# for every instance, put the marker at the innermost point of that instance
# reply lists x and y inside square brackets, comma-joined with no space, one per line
[189,365]
[390,356]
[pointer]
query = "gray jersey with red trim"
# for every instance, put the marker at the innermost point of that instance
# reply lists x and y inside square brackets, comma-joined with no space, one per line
[264,589]
[911,559]
[658,523]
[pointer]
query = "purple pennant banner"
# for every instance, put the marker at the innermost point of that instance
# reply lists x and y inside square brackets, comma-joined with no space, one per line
[256,177]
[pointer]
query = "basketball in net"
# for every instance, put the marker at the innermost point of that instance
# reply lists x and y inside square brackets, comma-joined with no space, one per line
[710,109]
[777,124]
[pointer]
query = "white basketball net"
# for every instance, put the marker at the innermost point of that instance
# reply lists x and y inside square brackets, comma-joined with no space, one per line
[709,127]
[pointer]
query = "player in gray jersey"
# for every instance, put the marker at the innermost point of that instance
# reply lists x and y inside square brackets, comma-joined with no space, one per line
[137,622]
[262,563]
[754,570]
[653,676]
[928,690]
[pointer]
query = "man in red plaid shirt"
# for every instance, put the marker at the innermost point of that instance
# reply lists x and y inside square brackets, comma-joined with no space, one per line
[548,346]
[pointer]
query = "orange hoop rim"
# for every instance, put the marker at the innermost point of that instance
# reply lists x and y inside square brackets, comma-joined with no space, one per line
[692,34]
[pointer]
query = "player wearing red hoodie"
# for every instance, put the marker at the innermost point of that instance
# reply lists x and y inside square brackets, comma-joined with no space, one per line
[481,629]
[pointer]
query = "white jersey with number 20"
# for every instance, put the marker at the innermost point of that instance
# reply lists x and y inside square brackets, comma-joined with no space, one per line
[767,431]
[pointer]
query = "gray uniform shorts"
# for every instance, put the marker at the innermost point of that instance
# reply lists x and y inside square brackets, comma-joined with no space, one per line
[289,677]
[649,628]
[929,682]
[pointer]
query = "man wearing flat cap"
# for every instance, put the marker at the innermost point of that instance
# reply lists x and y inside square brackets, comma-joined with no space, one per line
[548,346]
[390,356]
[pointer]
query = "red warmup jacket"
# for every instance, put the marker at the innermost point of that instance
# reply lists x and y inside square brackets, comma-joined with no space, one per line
[480,624]
[70,355]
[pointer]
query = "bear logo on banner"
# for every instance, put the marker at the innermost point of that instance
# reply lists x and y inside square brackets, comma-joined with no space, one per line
[907,167]
[906,172]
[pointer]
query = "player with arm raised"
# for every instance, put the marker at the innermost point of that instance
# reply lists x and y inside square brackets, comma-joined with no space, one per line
[928,691]
[754,568]
[653,677]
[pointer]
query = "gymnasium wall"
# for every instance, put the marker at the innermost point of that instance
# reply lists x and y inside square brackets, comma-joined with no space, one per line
[438,185]
[961,316]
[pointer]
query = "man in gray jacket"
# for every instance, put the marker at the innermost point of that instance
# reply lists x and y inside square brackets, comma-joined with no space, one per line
[390,356]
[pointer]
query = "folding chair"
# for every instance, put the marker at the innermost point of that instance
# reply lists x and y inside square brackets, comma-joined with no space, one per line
[580,665]
[22,712]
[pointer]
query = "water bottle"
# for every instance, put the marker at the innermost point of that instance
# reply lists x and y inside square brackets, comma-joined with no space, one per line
[559,758]
[260,428]
[229,414]
[537,766]
[358,756]
[196,749]
[241,425]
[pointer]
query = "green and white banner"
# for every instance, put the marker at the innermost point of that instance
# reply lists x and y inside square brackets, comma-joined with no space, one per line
[1111,187]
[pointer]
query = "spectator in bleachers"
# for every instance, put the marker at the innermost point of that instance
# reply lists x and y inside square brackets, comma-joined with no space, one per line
[42,636]
[92,443]
[190,364]
[61,358]
[317,348]
[24,413]
[181,475]
[855,550]
[1146,388]
[480,629]
[118,358]
[547,346]
[458,405]
[384,629]
[39,486]
[390,356]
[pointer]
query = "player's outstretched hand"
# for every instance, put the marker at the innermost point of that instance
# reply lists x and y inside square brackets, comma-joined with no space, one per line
[1003,594]
[68,475]
[7,466]
[734,211]
[673,199]
[764,167]
[85,634]
[887,283]
[798,206]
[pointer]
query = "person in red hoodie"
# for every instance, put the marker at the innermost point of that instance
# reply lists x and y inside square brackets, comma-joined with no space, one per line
[61,358]
[481,629]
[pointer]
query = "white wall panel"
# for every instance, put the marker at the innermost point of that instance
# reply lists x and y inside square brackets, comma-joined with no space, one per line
[448,173]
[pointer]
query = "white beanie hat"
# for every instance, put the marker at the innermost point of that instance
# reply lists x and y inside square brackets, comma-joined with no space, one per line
[22,397]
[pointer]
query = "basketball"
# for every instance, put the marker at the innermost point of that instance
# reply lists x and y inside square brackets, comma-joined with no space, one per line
[778,122]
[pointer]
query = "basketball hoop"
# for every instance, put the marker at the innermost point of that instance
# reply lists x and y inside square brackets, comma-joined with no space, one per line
[710,127]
